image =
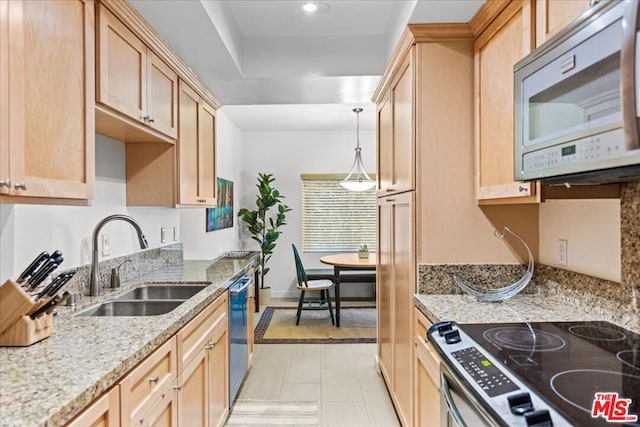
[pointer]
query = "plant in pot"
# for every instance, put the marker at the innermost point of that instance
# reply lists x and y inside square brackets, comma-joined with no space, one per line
[363,252]
[263,225]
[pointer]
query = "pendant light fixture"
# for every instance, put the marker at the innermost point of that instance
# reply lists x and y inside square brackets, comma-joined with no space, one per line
[357,180]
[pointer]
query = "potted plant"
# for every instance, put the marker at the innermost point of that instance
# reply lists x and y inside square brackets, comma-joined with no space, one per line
[263,226]
[363,252]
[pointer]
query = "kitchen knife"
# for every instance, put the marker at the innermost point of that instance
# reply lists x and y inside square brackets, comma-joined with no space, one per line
[42,273]
[56,284]
[43,308]
[64,278]
[28,272]
[62,300]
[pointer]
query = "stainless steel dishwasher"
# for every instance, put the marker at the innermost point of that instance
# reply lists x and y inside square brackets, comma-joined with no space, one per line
[238,356]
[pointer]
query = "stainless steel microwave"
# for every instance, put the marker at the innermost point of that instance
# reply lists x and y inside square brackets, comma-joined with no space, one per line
[577,101]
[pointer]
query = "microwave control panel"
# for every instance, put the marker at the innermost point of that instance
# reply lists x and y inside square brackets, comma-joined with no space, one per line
[604,146]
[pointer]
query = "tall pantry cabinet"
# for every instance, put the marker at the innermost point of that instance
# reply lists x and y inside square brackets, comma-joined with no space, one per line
[417,120]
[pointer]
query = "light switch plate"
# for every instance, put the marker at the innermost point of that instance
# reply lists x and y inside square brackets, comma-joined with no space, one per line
[176,235]
[562,251]
[163,234]
[106,245]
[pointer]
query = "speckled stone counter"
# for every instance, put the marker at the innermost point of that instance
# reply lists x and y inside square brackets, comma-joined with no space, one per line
[541,307]
[49,382]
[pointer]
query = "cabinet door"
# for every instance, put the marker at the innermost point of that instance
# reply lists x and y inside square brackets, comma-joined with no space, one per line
[218,360]
[162,96]
[506,41]
[384,291]
[403,129]
[104,412]
[426,377]
[5,177]
[553,15]
[196,150]
[47,98]
[122,65]
[193,394]
[187,145]
[385,145]
[163,412]
[403,279]
[148,383]
[206,154]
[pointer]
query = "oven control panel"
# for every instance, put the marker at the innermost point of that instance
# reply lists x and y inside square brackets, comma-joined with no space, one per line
[483,372]
[500,393]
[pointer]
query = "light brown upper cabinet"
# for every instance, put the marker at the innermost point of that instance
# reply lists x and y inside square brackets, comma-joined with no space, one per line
[196,150]
[505,41]
[137,93]
[183,174]
[47,80]
[396,139]
[553,15]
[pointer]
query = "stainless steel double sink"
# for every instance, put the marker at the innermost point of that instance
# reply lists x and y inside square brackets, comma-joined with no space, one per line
[149,300]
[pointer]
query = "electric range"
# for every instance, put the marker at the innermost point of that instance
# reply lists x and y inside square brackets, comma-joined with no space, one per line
[544,373]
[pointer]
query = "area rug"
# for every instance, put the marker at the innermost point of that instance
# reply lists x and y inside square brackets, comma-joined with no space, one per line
[278,326]
[268,412]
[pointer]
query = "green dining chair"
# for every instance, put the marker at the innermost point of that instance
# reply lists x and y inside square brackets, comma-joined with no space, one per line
[305,285]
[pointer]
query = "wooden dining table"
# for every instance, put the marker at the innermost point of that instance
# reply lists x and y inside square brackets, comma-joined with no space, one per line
[343,262]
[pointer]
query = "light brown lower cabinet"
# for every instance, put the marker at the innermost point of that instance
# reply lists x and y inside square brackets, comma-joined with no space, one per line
[426,383]
[203,384]
[185,382]
[104,412]
[147,393]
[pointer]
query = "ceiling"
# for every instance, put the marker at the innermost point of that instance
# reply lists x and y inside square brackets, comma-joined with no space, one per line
[271,52]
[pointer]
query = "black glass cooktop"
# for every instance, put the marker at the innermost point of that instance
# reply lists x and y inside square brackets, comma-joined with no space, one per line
[567,363]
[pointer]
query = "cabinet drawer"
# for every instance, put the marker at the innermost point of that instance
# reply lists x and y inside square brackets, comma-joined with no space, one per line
[195,334]
[145,384]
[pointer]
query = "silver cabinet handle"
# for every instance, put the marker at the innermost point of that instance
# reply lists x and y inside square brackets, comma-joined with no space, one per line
[209,345]
[21,186]
[148,119]
[201,200]
[154,379]
[177,387]
[5,183]
[522,188]
[593,2]
[390,189]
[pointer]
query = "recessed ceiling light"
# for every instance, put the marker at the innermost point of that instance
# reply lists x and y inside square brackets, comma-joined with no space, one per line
[310,6]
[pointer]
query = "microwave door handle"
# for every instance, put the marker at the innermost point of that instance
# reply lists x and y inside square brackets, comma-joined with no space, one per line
[630,75]
[446,393]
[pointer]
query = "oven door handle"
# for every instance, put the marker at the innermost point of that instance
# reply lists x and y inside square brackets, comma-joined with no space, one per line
[446,393]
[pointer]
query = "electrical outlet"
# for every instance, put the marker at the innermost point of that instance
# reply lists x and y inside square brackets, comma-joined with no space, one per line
[163,234]
[176,236]
[562,251]
[106,245]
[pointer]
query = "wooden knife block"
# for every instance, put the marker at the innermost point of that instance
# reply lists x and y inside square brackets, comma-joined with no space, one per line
[16,327]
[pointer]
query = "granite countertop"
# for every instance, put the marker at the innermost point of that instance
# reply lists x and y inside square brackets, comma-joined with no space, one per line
[521,308]
[49,382]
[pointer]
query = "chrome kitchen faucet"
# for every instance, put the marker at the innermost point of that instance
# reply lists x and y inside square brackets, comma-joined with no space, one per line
[94,284]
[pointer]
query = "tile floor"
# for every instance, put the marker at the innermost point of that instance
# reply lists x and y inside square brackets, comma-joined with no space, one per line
[342,378]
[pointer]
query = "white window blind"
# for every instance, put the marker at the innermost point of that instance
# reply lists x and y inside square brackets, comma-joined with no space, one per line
[335,219]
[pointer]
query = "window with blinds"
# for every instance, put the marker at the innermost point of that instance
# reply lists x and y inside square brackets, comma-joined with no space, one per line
[335,219]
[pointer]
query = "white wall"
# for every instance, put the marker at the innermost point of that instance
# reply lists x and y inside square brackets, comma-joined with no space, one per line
[27,230]
[287,155]
[198,244]
[592,230]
